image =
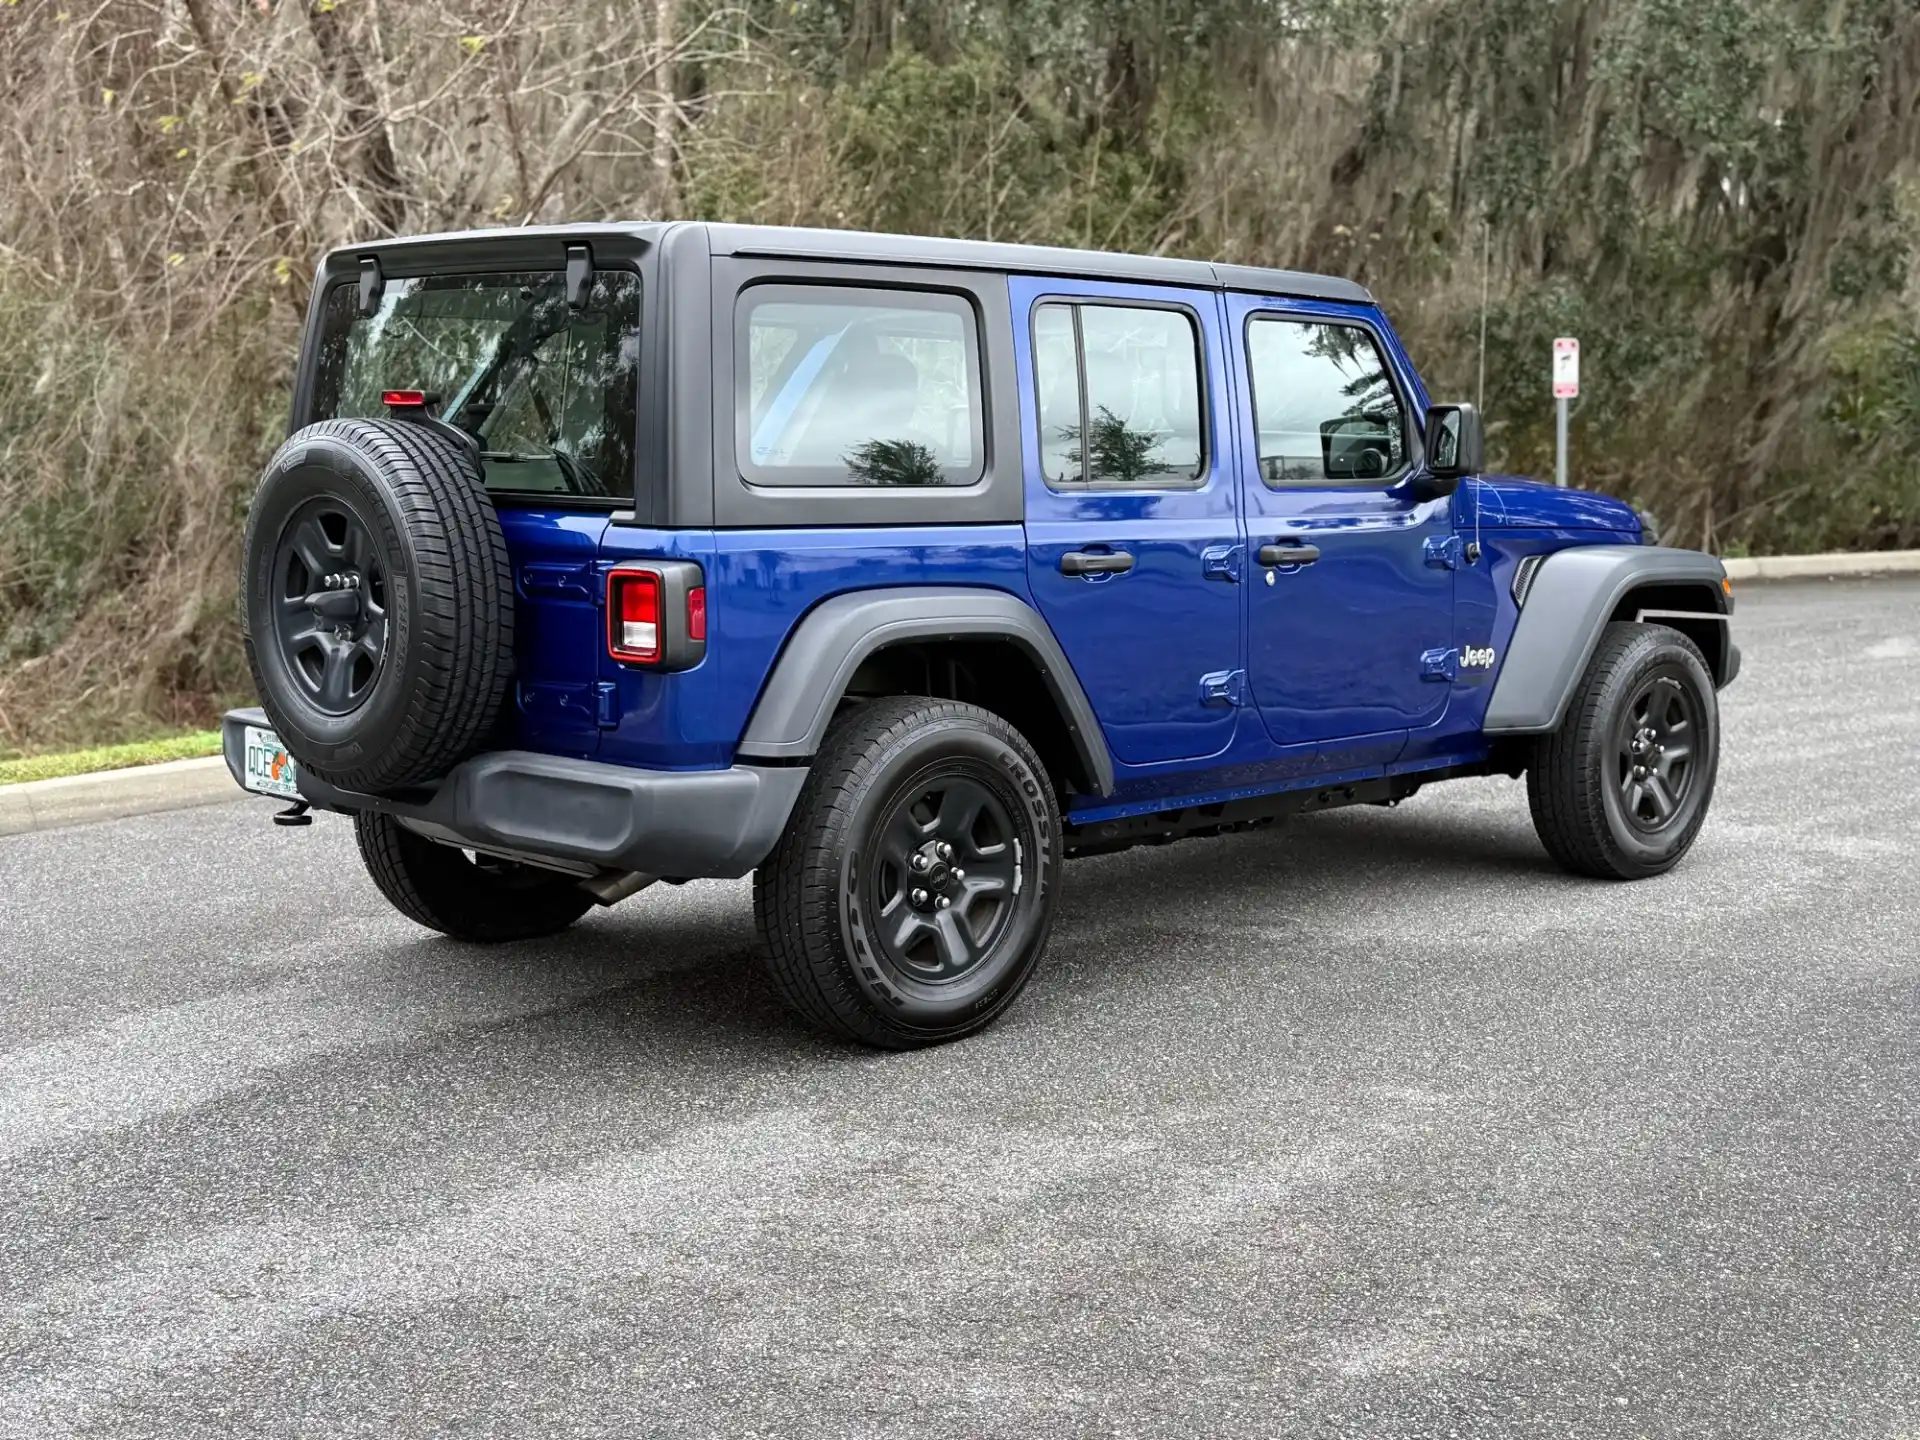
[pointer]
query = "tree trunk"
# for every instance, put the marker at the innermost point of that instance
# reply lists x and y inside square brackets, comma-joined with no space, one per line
[372,147]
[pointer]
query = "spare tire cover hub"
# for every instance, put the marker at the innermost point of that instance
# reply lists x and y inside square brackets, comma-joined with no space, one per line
[330,615]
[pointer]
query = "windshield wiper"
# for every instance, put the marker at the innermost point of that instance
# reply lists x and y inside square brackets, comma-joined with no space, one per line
[580,480]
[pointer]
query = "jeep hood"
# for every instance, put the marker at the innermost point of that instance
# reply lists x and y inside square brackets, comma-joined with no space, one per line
[1509,502]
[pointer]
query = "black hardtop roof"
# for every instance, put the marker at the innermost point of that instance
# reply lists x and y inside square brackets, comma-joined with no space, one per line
[880,249]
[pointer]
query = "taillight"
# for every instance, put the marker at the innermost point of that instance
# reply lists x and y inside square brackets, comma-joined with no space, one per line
[633,611]
[657,614]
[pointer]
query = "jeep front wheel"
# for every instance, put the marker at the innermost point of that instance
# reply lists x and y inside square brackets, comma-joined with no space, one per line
[1621,789]
[911,895]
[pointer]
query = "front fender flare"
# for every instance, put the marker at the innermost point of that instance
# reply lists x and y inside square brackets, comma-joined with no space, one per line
[826,648]
[1568,605]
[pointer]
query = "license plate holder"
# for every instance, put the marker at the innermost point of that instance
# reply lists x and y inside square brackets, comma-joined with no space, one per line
[269,770]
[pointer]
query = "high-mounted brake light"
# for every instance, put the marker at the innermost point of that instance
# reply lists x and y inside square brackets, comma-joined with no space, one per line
[404,399]
[633,616]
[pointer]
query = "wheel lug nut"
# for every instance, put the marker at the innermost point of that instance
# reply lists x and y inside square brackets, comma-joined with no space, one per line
[945,903]
[919,897]
[919,862]
[959,874]
[945,850]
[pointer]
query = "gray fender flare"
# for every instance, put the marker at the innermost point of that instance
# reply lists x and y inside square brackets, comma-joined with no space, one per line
[1567,606]
[827,646]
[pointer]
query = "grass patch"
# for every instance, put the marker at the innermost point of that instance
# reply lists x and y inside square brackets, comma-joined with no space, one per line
[110,757]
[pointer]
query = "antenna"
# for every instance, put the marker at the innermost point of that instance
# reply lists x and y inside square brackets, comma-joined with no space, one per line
[1486,285]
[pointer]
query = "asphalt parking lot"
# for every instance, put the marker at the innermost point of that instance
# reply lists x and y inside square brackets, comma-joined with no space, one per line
[1375,1124]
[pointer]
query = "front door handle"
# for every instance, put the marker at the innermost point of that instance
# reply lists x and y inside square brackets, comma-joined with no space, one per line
[1289,554]
[1087,562]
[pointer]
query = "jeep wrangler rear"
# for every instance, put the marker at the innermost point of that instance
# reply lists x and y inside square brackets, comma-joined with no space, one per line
[897,571]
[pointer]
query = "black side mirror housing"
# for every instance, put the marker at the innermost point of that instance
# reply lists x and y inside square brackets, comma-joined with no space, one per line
[1456,448]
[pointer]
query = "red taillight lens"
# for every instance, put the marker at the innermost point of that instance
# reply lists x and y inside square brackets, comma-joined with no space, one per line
[697,613]
[404,399]
[633,616]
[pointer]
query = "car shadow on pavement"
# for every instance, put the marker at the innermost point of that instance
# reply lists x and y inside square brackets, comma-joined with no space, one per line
[691,971]
[459,1070]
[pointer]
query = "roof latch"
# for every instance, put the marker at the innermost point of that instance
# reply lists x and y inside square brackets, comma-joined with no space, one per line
[372,282]
[579,275]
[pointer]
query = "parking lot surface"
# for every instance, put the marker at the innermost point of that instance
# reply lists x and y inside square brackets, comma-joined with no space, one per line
[1374,1123]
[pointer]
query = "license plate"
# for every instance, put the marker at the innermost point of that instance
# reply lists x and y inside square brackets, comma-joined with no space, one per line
[270,770]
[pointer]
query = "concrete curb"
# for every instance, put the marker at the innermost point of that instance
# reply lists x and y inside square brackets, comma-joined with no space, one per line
[1825,567]
[114,794]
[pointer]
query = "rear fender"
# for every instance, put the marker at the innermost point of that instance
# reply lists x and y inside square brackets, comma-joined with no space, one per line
[828,646]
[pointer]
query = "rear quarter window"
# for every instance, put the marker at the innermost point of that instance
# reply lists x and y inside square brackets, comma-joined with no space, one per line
[844,386]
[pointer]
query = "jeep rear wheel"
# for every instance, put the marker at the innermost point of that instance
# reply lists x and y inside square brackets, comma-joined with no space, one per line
[912,893]
[378,609]
[465,894]
[1621,789]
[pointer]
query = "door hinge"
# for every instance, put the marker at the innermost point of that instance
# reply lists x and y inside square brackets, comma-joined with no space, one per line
[596,704]
[1441,665]
[567,582]
[1221,562]
[1444,552]
[1224,687]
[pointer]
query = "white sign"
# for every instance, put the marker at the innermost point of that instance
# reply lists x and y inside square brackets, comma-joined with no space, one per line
[1566,368]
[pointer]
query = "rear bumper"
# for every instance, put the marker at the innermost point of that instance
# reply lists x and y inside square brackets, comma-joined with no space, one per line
[683,824]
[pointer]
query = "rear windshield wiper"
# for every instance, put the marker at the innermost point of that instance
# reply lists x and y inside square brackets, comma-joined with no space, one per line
[580,480]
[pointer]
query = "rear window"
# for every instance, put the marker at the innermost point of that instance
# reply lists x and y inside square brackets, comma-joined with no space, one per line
[843,386]
[1119,396]
[550,391]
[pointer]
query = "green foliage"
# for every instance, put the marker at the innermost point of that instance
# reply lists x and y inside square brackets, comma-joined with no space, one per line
[196,745]
[894,462]
[1719,197]
[1116,451]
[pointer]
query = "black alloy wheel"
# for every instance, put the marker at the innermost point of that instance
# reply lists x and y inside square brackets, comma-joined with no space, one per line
[378,603]
[911,895]
[1653,749]
[1621,789]
[942,878]
[330,615]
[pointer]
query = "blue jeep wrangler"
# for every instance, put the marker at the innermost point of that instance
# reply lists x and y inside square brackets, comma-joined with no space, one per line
[897,571]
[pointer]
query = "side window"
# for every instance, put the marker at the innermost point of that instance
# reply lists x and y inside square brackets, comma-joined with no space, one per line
[838,386]
[1118,395]
[1324,407]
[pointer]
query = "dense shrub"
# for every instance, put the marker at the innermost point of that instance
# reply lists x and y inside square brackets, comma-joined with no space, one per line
[1718,196]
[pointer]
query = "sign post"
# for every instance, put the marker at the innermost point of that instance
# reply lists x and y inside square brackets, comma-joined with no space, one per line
[1566,387]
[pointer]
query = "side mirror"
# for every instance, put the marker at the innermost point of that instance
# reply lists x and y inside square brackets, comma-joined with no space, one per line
[1456,446]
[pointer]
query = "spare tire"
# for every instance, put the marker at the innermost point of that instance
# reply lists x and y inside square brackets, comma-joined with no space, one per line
[378,602]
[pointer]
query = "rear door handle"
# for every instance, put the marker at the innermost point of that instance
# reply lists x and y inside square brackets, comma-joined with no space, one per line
[1087,562]
[1289,554]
